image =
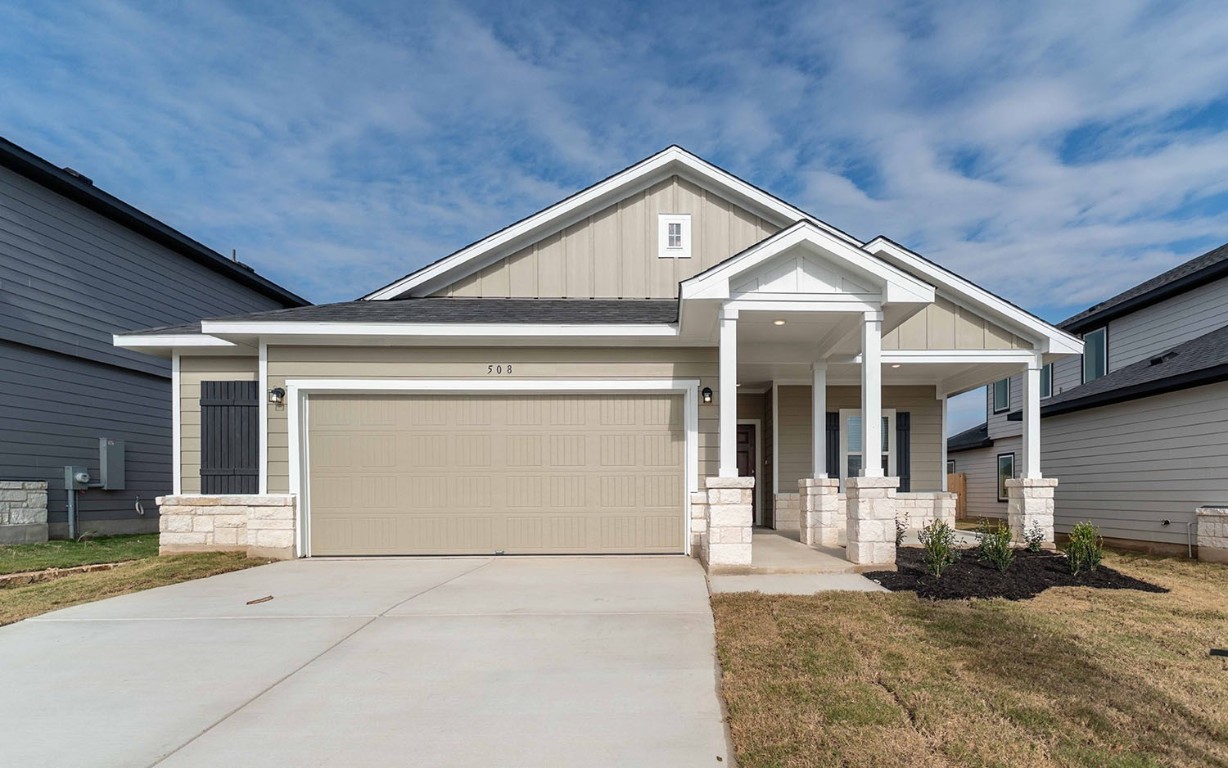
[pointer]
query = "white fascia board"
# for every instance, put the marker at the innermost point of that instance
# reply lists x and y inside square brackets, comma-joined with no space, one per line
[956,356]
[557,216]
[898,285]
[1053,339]
[466,330]
[147,341]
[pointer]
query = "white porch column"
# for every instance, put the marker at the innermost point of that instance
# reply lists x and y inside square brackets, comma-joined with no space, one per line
[871,394]
[943,400]
[1031,419]
[728,386]
[818,420]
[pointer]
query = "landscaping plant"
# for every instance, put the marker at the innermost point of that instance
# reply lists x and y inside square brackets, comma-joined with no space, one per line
[938,545]
[1086,548]
[901,526]
[996,544]
[1034,536]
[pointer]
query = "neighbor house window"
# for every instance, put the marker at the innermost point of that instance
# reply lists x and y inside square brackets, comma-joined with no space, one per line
[1006,471]
[950,466]
[674,235]
[1002,396]
[1095,354]
[1046,381]
[853,453]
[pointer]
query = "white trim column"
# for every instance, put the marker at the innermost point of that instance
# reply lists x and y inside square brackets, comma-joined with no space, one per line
[871,393]
[176,428]
[942,399]
[818,420]
[1031,418]
[728,394]
[263,417]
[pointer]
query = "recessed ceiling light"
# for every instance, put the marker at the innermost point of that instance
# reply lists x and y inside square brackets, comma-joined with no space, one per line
[778,322]
[895,365]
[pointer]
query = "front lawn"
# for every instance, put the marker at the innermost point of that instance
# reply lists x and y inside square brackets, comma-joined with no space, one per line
[1076,676]
[66,554]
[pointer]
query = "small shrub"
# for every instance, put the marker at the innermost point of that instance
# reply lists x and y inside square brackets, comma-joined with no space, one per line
[1034,536]
[1086,548]
[996,545]
[901,527]
[938,543]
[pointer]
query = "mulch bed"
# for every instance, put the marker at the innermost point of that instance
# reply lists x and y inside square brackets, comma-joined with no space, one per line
[1030,574]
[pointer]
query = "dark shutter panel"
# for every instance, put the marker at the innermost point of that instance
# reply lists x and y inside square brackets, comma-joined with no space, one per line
[833,445]
[903,450]
[229,441]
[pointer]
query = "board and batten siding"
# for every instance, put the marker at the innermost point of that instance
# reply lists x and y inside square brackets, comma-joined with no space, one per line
[54,409]
[590,363]
[1128,467]
[980,465]
[70,277]
[613,253]
[1160,327]
[794,436]
[944,325]
[192,371]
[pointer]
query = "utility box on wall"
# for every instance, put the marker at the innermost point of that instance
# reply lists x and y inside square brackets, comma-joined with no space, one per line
[111,463]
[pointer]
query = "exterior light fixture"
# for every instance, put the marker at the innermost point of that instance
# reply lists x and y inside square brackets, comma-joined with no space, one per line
[706,394]
[778,322]
[277,396]
[895,365]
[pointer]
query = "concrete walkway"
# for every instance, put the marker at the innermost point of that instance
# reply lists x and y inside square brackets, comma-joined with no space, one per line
[439,662]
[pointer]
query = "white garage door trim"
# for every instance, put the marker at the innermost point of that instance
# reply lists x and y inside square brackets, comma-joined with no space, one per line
[298,393]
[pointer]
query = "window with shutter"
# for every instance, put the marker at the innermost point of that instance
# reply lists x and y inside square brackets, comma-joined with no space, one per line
[229,440]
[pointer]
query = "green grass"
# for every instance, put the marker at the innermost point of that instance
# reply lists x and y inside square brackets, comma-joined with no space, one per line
[21,602]
[1073,677]
[66,554]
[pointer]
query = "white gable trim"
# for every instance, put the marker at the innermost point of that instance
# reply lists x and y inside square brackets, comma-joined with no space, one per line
[639,176]
[896,285]
[1051,339]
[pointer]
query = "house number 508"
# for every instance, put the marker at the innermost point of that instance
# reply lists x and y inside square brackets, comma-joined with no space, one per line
[498,370]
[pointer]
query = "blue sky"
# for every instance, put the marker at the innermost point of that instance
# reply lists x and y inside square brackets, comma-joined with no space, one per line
[1054,152]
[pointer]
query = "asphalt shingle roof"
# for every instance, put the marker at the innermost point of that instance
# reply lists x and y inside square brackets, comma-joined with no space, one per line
[464,310]
[977,437]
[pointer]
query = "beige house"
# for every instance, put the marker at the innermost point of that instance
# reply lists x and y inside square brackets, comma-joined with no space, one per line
[657,364]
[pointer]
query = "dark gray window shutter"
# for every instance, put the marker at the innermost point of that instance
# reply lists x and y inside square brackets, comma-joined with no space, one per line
[229,440]
[833,445]
[903,450]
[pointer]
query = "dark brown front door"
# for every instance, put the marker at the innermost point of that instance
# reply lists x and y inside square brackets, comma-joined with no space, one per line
[747,462]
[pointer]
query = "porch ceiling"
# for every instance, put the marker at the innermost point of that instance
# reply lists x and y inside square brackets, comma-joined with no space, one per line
[949,378]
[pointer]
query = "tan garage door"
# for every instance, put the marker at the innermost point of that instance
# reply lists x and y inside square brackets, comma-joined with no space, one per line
[557,474]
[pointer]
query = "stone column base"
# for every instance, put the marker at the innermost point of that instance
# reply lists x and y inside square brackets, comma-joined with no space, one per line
[261,526]
[1029,503]
[23,511]
[1213,534]
[871,520]
[729,508]
[786,512]
[820,514]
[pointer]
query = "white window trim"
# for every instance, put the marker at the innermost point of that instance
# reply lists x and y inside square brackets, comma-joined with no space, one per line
[1104,354]
[1046,374]
[298,402]
[993,401]
[664,251]
[889,413]
[997,473]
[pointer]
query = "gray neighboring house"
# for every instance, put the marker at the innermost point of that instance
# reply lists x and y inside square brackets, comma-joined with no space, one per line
[76,266]
[1135,427]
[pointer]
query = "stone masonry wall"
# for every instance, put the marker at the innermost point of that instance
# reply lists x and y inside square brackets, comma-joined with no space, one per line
[1213,534]
[23,511]
[729,510]
[261,526]
[788,509]
[923,507]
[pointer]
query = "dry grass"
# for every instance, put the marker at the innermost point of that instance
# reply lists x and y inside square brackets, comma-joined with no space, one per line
[22,602]
[1074,677]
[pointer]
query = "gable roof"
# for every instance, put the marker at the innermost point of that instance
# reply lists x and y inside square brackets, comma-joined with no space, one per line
[81,190]
[1200,270]
[673,160]
[970,439]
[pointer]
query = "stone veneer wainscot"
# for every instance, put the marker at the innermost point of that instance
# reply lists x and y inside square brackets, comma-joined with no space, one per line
[23,511]
[261,526]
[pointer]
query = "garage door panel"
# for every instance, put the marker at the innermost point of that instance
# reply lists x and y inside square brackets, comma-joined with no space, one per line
[481,474]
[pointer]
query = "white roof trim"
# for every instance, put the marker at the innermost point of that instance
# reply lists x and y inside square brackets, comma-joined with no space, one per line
[667,161]
[1054,340]
[897,285]
[498,330]
[165,341]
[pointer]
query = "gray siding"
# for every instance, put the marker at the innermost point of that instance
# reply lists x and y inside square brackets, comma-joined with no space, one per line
[69,278]
[1128,467]
[1163,326]
[1067,373]
[54,409]
[999,426]
[981,467]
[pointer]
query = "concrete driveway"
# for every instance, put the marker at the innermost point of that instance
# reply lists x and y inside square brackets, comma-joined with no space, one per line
[431,662]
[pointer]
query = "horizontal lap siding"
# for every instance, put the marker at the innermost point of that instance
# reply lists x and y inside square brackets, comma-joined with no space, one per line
[192,371]
[54,409]
[456,363]
[1128,467]
[981,468]
[1163,326]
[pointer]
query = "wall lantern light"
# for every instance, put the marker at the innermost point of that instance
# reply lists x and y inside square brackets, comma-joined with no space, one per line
[706,394]
[277,396]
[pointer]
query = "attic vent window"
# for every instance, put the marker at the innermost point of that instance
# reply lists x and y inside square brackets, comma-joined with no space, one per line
[674,236]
